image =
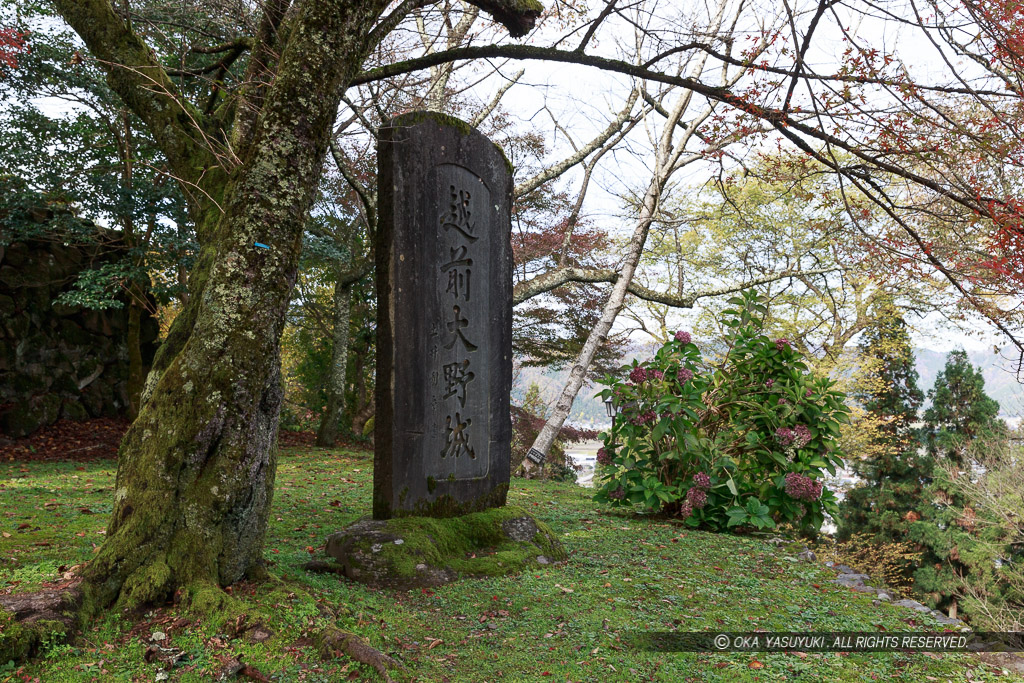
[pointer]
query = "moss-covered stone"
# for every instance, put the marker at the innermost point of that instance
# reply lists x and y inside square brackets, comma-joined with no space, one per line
[73,410]
[415,117]
[19,641]
[30,621]
[415,552]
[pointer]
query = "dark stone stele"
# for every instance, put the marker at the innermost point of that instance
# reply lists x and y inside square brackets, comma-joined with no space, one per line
[444,320]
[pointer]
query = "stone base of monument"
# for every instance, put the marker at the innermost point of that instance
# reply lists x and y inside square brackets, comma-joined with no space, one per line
[421,552]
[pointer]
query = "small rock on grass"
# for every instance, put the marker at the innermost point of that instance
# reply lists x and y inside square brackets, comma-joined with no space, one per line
[259,634]
[851,579]
[913,604]
[861,588]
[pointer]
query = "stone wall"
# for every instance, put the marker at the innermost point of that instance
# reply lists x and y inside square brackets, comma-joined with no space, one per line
[59,361]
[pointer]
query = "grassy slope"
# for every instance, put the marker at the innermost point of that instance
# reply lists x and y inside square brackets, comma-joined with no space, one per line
[562,623]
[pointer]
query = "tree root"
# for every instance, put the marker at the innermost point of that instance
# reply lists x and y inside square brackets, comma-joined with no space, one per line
[32,619]
[321,567]
[333,639]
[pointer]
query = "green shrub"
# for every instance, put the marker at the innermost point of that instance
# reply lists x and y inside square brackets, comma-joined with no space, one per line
[892,562]
[741,442]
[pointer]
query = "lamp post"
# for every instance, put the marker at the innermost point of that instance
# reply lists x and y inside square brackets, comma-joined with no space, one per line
[610,408]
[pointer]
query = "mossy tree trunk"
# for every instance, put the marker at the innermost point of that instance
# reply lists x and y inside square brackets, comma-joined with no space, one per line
[327,434]
[135,366]
[196,469]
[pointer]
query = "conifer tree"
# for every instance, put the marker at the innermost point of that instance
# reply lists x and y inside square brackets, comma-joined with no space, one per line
[961,411]
[956,544]
[895,475]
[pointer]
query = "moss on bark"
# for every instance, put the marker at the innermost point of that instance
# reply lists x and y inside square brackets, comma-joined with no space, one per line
[196,469]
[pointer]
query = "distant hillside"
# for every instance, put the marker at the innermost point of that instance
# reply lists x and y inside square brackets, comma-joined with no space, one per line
[587,411]
[1000,381]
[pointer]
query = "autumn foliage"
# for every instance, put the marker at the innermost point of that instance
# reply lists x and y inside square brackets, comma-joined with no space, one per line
[12,44]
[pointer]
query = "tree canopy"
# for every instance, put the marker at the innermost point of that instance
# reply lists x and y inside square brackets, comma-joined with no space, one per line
[240,105]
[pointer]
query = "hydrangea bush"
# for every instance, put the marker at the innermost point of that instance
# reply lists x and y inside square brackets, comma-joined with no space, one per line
[743,441]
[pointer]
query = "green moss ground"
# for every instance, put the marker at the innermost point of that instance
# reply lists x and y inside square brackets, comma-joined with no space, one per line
[564,623]
[472,545]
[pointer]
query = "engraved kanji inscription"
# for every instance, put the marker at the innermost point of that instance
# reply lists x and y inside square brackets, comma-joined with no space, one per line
[456,377]
[458,270]
[459,216]
[455,327]
[457,437]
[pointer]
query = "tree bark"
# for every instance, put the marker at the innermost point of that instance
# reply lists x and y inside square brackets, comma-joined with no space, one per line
[327,434]
[196,468]
[136,377]
[597,337]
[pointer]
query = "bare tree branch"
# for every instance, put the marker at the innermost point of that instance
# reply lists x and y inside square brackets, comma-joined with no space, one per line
[553,279]
[486,111]
[582,153]
[134,73]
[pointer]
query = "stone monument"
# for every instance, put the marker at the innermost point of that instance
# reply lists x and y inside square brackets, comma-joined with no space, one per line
[443,428]
[444,320]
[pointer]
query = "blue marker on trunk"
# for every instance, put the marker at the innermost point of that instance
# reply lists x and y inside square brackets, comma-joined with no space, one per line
[261,245]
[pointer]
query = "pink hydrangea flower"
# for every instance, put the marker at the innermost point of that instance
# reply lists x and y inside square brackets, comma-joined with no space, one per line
[803,488]
[683,337]
[702,480]
[644,417]
[638,375]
